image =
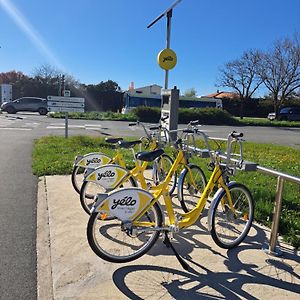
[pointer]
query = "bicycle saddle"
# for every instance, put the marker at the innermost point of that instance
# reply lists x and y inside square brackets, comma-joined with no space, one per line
[149,156]
[113,140]
[124,144]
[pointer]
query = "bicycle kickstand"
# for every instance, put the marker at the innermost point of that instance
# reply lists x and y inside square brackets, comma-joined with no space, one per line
[168,243]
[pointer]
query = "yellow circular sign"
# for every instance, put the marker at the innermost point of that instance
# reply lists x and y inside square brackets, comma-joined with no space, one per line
[167,59]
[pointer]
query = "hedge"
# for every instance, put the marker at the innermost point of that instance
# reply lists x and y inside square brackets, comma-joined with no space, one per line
[207,116]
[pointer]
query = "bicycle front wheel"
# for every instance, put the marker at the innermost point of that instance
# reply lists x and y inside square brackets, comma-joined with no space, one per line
[90,189]
[162,166]
[191,185]
[119,242]
[231,224]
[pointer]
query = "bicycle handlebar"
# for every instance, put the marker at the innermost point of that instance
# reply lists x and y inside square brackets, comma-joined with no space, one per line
[236,135]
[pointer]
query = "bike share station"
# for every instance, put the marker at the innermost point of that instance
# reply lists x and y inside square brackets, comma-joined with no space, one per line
[167,60]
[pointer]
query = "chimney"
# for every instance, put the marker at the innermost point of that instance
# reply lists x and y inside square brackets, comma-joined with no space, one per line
[131,86]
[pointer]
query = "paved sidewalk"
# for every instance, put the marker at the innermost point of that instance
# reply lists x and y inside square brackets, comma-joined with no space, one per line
[68,269]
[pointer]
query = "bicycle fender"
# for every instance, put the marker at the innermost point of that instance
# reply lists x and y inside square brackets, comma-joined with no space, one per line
[124,203]
[108,176]
[180,180]
[92,160]
[214,203]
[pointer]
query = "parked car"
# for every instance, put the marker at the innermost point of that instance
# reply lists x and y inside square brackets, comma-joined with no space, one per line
[287,114]
[26,104]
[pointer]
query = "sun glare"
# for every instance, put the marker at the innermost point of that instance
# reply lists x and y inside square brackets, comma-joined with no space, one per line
[30,32]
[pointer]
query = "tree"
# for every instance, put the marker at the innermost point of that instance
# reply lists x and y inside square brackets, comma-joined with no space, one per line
[241,75]
[280,70]
[190,92]
[11,77]
[47,81]
[102,96]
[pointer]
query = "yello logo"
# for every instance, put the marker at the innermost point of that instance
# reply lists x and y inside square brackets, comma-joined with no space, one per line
[167,59]
[106,174]
[126,201]
[94,160]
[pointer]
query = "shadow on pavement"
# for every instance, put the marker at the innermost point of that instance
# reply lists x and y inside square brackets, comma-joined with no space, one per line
[239,278]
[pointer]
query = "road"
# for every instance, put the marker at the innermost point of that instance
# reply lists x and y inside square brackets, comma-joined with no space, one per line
[18,187]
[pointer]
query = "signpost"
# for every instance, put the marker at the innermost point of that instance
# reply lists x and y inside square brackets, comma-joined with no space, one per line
[66,105]
[167,60]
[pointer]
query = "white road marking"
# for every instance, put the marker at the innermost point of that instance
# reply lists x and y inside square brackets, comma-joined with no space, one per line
[92,125]
[55,127]
[15,128]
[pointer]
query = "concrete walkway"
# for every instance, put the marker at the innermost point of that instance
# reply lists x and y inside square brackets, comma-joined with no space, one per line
[68,269]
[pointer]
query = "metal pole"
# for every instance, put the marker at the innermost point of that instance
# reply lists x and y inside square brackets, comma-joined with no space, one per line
[169,16]
[66,124]
[276,217]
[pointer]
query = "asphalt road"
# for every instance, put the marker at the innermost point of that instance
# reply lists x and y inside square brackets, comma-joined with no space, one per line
[18,187]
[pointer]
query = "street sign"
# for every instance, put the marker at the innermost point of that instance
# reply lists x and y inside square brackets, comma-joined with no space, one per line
[65,104]
[67,93]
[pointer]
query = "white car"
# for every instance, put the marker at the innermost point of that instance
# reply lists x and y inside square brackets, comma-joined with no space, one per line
[271,116]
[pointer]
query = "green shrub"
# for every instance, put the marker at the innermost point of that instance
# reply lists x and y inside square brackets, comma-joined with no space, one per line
[96,115]
[207,116]
[147,114]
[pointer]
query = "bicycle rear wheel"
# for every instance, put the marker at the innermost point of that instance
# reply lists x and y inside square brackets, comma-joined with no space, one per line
[119,242]
[230,227]
[90,189]
[191,185]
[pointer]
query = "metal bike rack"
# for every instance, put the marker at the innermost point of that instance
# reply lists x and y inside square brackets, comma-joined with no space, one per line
[281,177]
[273,248]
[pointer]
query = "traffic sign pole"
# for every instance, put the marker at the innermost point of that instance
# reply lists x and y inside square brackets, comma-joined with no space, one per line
[65,104]
[66,124]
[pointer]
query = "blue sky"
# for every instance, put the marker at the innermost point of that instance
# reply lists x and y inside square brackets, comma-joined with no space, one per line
[97,40]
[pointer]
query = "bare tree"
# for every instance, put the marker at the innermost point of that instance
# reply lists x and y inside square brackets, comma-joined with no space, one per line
[45,73]
[280,70]
[241,76]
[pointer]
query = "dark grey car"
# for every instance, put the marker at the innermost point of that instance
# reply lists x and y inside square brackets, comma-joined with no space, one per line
[290,114]
[26,104]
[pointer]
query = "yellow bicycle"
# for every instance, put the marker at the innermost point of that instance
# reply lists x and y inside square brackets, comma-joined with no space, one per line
[111,176]
[138,220]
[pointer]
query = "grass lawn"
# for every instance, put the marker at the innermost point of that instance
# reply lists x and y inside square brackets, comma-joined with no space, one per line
[265,122]
[55,155]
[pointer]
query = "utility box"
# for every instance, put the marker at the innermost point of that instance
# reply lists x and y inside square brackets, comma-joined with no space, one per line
[170,105]
[5,92]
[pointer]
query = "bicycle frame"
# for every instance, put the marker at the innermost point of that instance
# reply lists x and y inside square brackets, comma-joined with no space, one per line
[185,219]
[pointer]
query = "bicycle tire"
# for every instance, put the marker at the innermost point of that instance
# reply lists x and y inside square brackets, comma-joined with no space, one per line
[161,168]
[228,230]
[98,228]
[87,198]
[77,177]
[188,193]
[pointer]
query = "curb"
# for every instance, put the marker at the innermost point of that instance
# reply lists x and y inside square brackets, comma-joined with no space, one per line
[44,270]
